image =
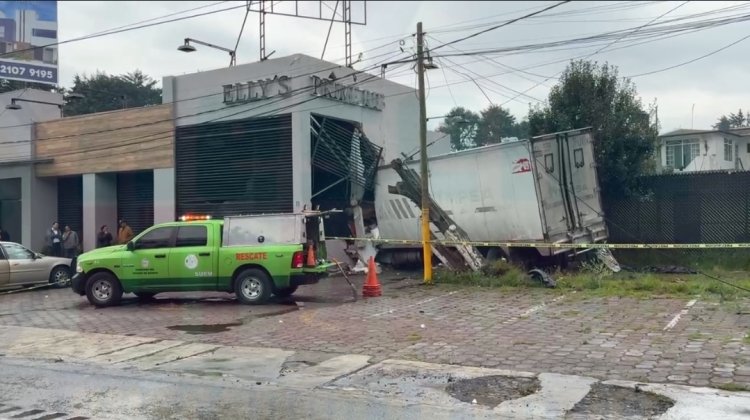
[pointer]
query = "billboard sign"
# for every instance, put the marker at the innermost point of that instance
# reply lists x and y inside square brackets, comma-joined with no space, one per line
[28,38]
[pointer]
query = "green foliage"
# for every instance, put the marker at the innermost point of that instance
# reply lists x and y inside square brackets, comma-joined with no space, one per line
[593,95]
[103,92]
[468,129]
[496,123]
[461,125]
[738,120]
[496,274]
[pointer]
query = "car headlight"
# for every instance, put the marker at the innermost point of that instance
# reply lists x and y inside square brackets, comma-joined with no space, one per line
[79,269]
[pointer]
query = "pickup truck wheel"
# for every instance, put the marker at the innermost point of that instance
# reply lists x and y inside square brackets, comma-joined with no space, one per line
[285,291]
[253,287]
[103,289]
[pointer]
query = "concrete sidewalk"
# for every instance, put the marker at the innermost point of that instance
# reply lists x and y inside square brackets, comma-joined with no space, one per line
[406,381]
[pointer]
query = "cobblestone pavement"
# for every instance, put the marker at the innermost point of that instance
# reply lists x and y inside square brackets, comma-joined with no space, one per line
[539,330]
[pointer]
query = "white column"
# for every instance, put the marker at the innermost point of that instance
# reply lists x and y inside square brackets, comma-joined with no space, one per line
[164,195]
[301,162]
[99,206]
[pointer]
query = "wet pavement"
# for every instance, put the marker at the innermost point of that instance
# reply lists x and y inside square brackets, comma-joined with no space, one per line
[659,340]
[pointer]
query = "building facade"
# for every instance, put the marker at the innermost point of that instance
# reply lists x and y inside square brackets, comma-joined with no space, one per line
[701,150]
[273,136]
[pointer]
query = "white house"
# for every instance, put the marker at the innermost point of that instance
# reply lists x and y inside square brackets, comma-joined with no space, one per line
[704,150]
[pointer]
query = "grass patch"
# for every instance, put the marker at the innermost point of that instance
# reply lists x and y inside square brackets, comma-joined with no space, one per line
[414,337]
[496,274]
[593,279]
[746,340]
[697,259]
[733,387]
[696,336]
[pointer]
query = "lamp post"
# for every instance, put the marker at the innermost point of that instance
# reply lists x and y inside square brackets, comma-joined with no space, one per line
[187,47]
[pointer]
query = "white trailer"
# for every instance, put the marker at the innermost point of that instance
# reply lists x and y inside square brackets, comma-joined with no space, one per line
[540,190]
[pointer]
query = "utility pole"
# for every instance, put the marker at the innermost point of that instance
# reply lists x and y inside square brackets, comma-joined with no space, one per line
[426,247]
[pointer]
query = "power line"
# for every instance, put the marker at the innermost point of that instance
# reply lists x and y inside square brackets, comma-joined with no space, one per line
[502,24]
[333,18]
[693,60]
[117,31]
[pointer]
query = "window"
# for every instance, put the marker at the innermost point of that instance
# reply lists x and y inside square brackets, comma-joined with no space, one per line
[578,156]
[192,236]
[17,252]
[44,33]
[549,163]
[681,152]
[728,146]
[157,238]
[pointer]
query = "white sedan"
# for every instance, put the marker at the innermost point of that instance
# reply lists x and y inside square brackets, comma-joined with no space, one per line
[21,267]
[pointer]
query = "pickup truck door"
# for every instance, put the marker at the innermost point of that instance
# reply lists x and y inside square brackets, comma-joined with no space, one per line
[192,261]
[147,266]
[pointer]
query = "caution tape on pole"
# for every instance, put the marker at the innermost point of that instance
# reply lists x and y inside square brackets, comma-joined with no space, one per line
[550,245]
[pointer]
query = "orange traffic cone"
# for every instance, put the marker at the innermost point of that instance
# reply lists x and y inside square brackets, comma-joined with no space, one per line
[311,256]
[372,285]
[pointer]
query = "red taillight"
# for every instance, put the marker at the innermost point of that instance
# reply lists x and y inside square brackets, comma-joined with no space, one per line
[298,259]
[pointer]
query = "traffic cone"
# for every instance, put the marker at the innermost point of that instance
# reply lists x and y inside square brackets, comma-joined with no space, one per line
[372,285]
[311,256]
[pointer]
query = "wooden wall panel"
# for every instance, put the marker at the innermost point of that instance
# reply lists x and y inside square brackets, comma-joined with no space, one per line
[117,141]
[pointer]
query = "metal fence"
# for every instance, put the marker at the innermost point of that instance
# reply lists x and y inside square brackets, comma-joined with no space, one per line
[707,207]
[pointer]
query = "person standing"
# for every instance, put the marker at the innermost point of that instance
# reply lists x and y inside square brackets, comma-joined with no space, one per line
[54,240]
[104,237]
[124,234]
[4,236]
[70,242]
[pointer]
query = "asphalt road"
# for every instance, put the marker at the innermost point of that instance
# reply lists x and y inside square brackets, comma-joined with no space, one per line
[70,391]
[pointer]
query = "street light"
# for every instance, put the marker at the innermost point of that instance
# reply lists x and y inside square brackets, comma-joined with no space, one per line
[186,47]
[14,105]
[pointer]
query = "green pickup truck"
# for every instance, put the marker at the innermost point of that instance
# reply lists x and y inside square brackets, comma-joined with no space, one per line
[252,256]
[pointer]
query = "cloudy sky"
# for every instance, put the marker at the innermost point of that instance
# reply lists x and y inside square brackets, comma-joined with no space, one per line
[515,77]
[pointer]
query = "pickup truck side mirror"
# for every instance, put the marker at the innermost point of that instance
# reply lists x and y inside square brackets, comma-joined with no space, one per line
[131,246]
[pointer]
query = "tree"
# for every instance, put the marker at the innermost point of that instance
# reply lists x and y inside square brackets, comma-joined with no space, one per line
[738,120]
[593,95]
[461,125]
[102,92]
[496,123]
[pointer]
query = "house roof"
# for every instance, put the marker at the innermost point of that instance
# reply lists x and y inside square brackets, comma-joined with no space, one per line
[685,132]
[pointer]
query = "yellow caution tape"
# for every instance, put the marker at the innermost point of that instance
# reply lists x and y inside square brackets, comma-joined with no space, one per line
[549,245]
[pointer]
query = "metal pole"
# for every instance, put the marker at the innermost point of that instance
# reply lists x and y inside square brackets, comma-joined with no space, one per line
[426,247]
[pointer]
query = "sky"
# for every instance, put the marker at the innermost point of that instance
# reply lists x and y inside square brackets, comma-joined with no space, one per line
[692,95]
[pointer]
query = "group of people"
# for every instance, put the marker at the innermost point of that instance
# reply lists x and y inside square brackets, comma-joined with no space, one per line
[66,243]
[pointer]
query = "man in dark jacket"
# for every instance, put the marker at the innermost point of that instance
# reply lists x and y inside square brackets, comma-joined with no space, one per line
[4,236]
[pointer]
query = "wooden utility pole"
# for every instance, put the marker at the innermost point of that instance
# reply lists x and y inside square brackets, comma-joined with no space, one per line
[426,246]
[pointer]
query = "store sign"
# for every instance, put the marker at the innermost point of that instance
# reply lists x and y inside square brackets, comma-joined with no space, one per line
[28,41]
[257,90]
[325,88]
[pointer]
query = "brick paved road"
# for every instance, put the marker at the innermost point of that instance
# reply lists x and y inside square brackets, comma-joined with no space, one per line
[536,330]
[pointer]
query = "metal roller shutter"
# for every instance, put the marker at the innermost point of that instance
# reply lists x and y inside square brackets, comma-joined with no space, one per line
[135,199]
[236,167]
[70,203]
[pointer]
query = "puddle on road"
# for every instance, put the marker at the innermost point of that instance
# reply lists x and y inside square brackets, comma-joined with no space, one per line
[610,400]
[492,390]
[204,328]
[219,328]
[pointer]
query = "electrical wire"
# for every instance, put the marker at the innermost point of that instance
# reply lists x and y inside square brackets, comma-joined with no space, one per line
[118,31]
[503,24]
[333,17]
[693,60]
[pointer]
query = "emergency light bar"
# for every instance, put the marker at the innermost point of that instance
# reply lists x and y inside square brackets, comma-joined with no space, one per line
[193,217]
